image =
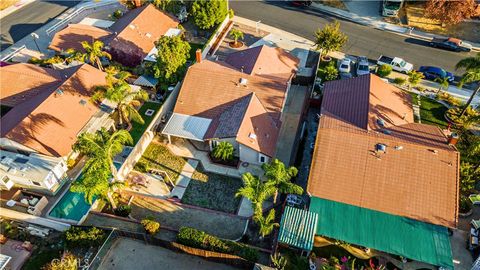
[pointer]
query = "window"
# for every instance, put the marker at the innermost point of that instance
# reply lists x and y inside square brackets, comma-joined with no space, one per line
[262,158]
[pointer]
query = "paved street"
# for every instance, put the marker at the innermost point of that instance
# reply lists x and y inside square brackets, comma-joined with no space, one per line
[362,40]
[29,18]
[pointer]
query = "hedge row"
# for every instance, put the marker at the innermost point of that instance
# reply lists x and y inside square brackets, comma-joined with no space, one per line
[198,239]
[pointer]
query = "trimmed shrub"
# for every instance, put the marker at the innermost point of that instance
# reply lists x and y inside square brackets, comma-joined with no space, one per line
[123,210]
[223,151]
[81,237]
[151,226]
[331,73]
[384,70]
[117,14]
[399,81]
[198,239]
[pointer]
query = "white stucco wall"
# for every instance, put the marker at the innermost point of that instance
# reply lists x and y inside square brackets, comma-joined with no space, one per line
[250,155]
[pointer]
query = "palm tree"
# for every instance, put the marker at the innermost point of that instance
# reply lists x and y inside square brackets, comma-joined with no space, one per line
[100,148]
[443,83]
[471,65]
[93,53]
[236,35]
[223,151]
[266,223]
[414,77]
[256,191]
[127,101]
[280,176]
[116,75]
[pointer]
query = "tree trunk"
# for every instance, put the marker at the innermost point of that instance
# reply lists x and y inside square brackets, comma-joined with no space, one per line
[99,64]
[275,197]
[111,201]
[469,101]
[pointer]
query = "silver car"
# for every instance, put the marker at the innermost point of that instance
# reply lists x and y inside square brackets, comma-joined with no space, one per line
[363,67]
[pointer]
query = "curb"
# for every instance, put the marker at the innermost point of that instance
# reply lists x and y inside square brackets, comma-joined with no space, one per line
[13,8]
[318,7]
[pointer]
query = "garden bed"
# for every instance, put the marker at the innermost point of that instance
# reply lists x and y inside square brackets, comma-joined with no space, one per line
[231,163]
[157,156]
[213,191]
[431,111]
[322,68]
[137,129]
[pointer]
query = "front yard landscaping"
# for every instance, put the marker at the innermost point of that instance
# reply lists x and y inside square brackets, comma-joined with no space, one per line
[157,156]
[212,191]
[431,112]
[138,129]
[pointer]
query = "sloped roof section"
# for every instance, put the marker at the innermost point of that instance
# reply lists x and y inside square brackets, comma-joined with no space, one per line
[298,228]
[186,126]
[50,121]
[73,35]
[416,176]
[397,235]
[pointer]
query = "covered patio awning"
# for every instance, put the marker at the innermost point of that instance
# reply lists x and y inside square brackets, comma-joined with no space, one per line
[187,126]
[297,228]
[392,234]
[147,81]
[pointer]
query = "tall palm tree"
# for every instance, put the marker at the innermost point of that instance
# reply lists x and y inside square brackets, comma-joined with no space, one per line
[100,148]
[266,223]
[443,83]
[414,77]
[127,101]
[471,65]
[256,191]
[93,53]
[277,173]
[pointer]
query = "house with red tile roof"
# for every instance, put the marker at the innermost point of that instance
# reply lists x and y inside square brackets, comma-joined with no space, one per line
[380,180]
[239,100]
[49,109]
[129,40]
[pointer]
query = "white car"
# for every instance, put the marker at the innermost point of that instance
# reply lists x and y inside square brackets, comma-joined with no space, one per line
[344,66]
[363,67]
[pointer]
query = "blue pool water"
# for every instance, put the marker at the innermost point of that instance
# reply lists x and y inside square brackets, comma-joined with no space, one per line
[73,205]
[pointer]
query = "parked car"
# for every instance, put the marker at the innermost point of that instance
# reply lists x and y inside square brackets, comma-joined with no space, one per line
[363,67]
[301,3]
[452,44]
[345,65]
[431,73]
[397,63]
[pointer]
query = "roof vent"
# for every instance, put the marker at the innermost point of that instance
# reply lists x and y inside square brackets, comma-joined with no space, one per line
[252,136]
[380,122]
[243,81]
[148,35]
[59,91]
[380,147]
[83,102]
[131,26]
[386,131]
[398,147]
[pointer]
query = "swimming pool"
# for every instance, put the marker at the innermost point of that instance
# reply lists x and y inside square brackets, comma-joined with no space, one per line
[73,205]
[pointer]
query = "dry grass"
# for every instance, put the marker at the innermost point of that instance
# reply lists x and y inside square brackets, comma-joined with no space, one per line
[332,3]
[6,3]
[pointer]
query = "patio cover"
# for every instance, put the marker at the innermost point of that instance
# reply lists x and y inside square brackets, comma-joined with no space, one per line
[398,235]
[147,81]
[187,126]
[297,228]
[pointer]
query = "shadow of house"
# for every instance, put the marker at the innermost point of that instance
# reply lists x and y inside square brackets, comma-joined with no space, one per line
[126,52]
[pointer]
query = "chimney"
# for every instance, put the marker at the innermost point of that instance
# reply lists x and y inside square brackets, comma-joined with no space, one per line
[198,55]
[453,139]
[138,3]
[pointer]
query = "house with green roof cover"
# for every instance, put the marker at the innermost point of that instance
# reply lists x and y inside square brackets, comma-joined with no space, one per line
[378,179]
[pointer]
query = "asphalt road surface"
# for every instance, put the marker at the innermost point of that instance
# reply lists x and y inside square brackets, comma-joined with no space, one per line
[27,19]
[362,40]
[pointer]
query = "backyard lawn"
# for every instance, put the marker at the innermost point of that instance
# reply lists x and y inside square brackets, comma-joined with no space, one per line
[212,191]
[157,156]
[138,129]
[431,112]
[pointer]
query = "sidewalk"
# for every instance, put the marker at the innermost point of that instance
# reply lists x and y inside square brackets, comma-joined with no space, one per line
[375,23]
[20,4]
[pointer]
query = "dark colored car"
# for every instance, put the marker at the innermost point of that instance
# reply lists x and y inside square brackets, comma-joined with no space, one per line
[451,44]
[301,3]
[431,73]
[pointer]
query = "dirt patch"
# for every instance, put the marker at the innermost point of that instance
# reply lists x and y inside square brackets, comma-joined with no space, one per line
[332,3]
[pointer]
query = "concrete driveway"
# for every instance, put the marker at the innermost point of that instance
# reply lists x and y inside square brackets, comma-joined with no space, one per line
[370,9]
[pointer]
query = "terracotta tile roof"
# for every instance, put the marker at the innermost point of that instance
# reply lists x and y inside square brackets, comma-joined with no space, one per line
[417,177]
[19,82]
[212,88]
[50,121]
[140,28]
[73,35]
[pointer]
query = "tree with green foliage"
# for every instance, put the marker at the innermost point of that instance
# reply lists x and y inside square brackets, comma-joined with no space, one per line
[469,175]
[471,65]
[277,173]
[68,261]
[330,38]
[256,191]
[266,223]
[414,78]
[223,151]
[236,34]
[172,56]
[150,225]
[167,5]
[384,70]
[443,83]
[93,52]
[330,73]
[127,101]
[208,13]
[100,148]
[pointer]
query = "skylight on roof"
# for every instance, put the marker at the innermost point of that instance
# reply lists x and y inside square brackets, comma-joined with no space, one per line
[252,136]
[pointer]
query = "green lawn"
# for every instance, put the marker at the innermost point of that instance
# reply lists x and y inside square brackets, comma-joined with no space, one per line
[431,112]
[193,48]
[213,191]
[138,129]
[41,258]
[157,156]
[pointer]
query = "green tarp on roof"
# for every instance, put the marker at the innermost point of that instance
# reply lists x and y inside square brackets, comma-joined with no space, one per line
[297,228]
[402,236]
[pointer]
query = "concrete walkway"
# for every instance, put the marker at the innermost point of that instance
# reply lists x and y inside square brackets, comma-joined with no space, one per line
[184,178]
